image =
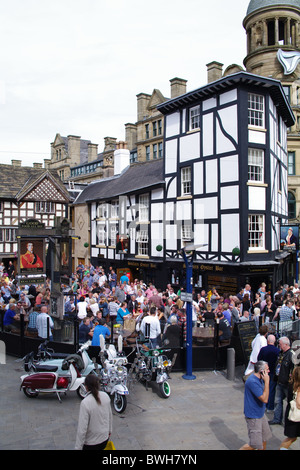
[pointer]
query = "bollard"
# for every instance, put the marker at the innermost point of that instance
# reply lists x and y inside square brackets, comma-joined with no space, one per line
[230,363]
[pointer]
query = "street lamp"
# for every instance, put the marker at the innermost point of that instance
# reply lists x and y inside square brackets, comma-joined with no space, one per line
[188,255]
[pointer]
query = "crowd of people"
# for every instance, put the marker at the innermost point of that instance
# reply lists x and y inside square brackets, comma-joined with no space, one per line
[101,299]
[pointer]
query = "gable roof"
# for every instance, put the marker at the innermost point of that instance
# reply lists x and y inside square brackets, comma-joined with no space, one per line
[16,182]
[134,178]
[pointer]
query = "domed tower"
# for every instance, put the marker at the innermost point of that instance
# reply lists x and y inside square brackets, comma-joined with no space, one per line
[273,50]
[271,25]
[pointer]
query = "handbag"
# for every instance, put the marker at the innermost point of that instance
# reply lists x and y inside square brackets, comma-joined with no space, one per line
[110,446]
[294,413]
[129,324]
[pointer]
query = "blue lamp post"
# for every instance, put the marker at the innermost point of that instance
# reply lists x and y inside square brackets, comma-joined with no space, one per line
[188,255]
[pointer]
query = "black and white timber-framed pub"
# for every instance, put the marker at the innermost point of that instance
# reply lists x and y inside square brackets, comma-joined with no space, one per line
[225,173]
[222,185]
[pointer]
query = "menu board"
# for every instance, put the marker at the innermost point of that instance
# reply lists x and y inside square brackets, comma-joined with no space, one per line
[246,332]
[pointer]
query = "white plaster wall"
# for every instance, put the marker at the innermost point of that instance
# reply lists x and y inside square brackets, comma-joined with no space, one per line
[189,147]
[230,232]
[211,181]
[229,169]
[230,197]
[172,124]
[171,156]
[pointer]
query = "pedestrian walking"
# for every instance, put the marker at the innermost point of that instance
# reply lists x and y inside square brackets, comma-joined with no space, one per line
[270,354]
[95,418]
[255,400]
[283,370]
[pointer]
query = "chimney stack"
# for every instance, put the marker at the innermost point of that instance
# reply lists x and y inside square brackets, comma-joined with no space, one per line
[16,162]
[121,157]
[214,71]
[178,87]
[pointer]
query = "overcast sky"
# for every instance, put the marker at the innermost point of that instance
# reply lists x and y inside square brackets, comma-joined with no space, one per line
[75,67]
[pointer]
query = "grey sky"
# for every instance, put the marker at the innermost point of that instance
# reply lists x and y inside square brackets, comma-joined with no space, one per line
[76,67]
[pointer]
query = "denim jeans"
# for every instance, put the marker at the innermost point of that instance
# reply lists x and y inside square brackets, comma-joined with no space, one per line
[280,395]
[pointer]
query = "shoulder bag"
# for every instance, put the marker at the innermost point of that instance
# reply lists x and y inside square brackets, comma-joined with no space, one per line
[294,413]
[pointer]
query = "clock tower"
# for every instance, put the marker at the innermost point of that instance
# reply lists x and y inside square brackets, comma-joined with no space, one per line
[273,50]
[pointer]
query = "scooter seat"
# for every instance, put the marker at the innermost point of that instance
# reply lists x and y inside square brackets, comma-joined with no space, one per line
[59,355]
[45,368]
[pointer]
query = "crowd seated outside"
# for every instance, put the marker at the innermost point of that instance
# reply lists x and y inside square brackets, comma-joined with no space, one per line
[98,301]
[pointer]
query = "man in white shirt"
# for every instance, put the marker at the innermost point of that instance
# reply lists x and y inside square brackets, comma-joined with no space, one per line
[155,330]
[42,323]
[102,278]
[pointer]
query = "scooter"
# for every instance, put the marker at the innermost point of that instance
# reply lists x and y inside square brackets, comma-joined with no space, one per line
[152,365]
[46,379]
[113,375]
[84,363]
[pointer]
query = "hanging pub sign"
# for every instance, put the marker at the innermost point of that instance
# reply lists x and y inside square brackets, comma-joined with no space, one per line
[289,237]
[31,256]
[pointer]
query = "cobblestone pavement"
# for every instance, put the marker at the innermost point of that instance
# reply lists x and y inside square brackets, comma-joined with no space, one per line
[202,414]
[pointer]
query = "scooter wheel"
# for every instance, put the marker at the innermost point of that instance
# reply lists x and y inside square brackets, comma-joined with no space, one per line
[30,392]
[120,403]
[165,389]
[82,391]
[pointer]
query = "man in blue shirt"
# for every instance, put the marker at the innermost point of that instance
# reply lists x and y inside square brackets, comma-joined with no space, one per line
[270,354]
[227,312]
[255,400]
[100,329]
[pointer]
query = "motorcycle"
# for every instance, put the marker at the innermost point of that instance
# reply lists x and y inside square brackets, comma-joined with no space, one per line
[152,365]
[45,355]
[46,379]
[113,374]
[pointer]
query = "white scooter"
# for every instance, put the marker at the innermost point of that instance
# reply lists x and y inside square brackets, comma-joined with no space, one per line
[113,375]
[46,379]
[82,360]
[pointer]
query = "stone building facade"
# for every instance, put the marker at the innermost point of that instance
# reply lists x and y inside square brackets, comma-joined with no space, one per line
[145,136]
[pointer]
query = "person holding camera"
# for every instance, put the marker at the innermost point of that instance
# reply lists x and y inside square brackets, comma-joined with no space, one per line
[255,400]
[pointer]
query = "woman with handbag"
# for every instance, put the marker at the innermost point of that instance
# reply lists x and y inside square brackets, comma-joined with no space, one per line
[95,418]
[292,413]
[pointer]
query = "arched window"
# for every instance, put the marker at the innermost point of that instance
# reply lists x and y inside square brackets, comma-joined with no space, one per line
[291,205]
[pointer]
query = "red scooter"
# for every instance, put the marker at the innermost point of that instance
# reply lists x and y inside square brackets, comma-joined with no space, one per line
[45,379]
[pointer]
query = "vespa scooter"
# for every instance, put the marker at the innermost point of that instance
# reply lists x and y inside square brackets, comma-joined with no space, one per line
[46,379]
[46,356]
[113,375]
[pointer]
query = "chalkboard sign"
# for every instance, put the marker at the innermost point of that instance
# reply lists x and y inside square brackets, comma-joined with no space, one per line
[246,332]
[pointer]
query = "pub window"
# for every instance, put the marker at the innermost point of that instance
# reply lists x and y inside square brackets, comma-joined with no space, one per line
[101,234]
[194,118]
[256,110]
[256,165]
[113,234]
[256,232]
[144,208]
[142,241]
[114,209]
[45,207]
[186,181]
